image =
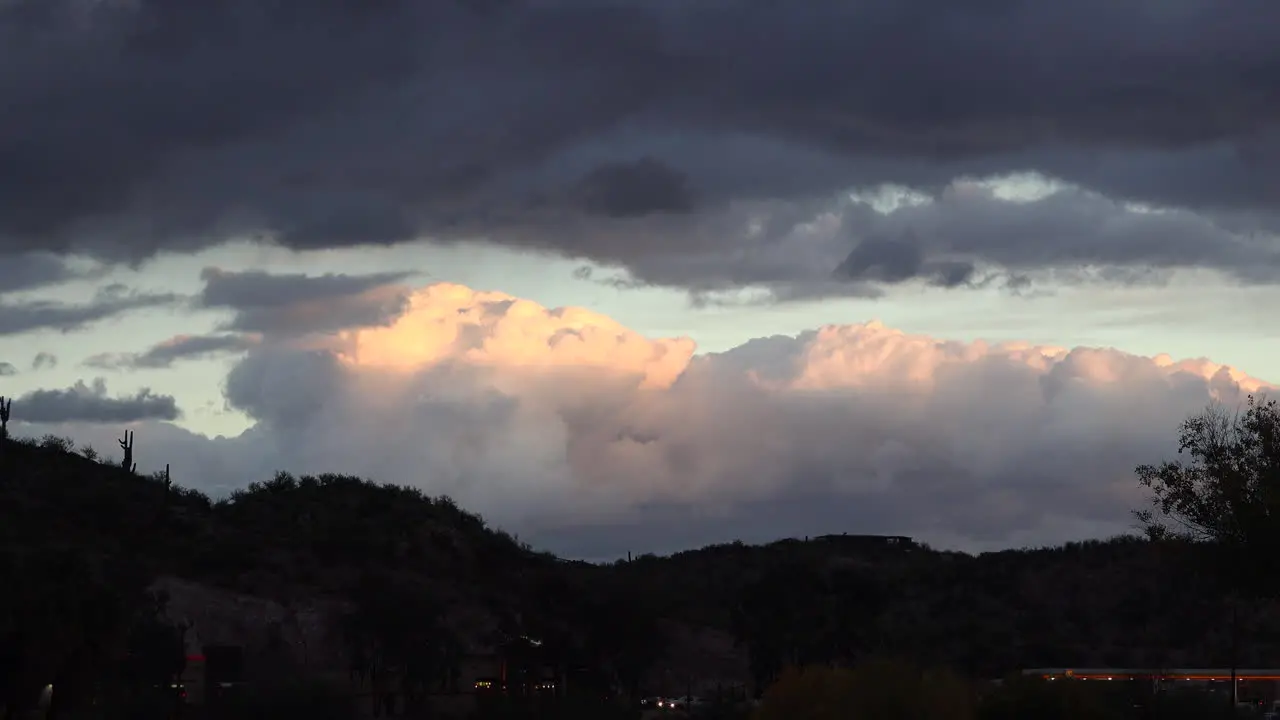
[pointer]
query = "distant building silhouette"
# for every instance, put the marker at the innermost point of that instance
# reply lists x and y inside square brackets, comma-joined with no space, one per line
[868,541]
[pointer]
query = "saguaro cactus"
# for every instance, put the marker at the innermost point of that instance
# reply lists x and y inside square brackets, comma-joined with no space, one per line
[5,406]
[168,485]
[126,444]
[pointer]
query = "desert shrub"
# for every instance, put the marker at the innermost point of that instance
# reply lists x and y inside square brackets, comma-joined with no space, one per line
[1194,704]
[287,699]
[154,705]
[880,690]
[58,444]
[568,708]
[724,711]
[1023,697]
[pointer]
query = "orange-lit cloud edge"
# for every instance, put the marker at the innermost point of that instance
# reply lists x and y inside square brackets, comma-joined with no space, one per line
[447,322]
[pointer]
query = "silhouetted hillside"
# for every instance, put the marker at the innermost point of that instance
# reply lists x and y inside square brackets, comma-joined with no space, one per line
[1123,602]
[316,532]
[80,541]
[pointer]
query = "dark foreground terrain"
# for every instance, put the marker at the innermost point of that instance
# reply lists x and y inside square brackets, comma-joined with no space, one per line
[111,581]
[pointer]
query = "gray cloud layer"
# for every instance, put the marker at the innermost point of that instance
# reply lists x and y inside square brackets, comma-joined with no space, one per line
[296,304]
[684,141]
[44,360]
[269,305]
[90,403]
[24,271]
[23,316]
[166,353]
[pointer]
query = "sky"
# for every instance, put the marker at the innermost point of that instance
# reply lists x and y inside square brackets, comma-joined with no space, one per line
[642,275]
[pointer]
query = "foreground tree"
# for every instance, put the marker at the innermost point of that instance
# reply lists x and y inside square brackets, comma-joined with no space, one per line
[1021,697]
[876,690]
[1223,493]
[1223,497]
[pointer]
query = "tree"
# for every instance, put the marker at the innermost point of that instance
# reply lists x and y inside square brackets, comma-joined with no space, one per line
[1225,499]
[1033,697]
[151,672]
[397,639]
[812,693]
[63,620]
[1224,493]
[878,690]
[622,636]
[797,614]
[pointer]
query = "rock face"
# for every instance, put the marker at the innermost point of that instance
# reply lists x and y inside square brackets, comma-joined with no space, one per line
[307,632]
[306,635]
[699,661]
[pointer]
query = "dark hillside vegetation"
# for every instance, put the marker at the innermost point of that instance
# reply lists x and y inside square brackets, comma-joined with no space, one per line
[426,584]
[81,539]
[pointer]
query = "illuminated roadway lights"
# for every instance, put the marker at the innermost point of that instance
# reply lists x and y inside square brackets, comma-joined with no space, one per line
[1169,675]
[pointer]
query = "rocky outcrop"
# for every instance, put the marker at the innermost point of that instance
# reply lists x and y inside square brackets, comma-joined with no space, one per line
[307,630]
[699,660]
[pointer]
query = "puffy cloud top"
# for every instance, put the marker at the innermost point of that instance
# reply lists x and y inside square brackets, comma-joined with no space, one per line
[447,323]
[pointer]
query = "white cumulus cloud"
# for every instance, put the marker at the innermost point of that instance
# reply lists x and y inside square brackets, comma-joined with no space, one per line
[590,439]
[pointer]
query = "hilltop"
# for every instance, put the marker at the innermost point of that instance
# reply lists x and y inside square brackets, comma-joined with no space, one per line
[335,548]
[368,564]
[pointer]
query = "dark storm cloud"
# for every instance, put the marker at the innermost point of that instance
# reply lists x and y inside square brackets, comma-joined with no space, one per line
[635,189]
[166,353]
[967,235]
[895,261]
[257,289]
[7,369]
[1065,228]
[111,301]
[83,403]
[291,304]
[642,133]
[25,271]
[44,360]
